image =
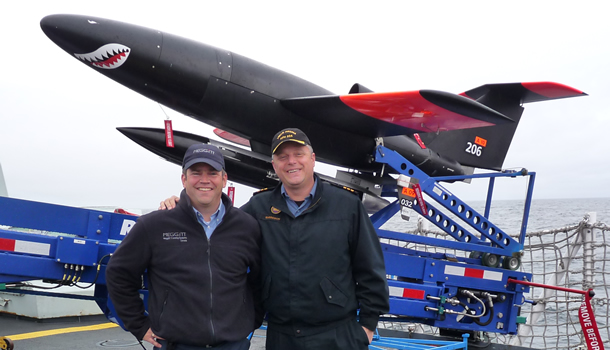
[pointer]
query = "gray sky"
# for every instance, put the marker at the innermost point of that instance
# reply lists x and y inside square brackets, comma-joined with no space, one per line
[58,141]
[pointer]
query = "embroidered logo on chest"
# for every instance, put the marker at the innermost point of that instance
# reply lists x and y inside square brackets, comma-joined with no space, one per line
[170,236]
[275,210]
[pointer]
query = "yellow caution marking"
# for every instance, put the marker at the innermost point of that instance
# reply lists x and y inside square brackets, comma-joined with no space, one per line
[61,331]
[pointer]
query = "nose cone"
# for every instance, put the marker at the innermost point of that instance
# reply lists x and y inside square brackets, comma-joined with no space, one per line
[102,43]
[163,67]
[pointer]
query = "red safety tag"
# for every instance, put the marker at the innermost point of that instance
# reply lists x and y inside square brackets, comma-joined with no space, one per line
[420,199]
[169,134]
[231,193]
[419,141]
[589,326]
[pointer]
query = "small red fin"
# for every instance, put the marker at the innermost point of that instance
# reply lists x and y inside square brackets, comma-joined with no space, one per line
[123,211]
[225,135]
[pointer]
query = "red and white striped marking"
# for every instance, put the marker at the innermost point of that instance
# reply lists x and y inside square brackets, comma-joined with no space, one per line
[474,273]
[17,246]
[407,293]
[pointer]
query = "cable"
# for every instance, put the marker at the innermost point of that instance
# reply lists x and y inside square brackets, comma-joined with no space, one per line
[491,316]
[491,311]
[97,273]
[471,295]
[68,278]
[24,284]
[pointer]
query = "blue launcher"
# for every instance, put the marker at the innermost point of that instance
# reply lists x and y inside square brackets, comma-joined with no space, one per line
[456,294]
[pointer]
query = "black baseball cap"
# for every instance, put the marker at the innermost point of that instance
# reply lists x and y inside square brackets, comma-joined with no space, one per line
[203,153]
[289,134]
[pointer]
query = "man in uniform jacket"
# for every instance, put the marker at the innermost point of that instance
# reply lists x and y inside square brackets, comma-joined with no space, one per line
[321,257]
[203,265]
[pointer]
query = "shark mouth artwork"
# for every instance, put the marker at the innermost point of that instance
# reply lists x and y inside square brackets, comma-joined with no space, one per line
[109,56]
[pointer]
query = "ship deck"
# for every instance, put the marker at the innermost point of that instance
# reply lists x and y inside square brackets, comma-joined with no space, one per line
[96,332]
[77,333]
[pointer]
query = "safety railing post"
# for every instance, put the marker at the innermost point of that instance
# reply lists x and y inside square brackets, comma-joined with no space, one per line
[557,279]
[589,253]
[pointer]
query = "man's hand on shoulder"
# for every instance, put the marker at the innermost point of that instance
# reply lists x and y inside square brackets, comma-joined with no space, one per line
[169,203]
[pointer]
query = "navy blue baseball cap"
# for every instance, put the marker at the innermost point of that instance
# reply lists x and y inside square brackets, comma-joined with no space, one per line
[289,134]
[203,153]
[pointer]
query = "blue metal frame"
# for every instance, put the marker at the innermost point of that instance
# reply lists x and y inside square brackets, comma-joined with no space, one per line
[490,238]
[77,244]
[433,284]
[379,343]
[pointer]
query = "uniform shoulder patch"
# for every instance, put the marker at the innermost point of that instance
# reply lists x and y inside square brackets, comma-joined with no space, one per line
[345,188]
[348,189]
[262,190]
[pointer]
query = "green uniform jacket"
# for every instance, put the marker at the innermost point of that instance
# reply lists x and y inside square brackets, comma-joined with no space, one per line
[321,266]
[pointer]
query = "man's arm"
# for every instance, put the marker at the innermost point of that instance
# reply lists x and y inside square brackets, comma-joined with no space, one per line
[255,281]
[124,280]
[369,271]
[254,277]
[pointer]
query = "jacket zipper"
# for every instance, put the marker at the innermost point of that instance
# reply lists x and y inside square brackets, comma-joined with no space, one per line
[211,294]
[164,305]
[213,332]
[313,205]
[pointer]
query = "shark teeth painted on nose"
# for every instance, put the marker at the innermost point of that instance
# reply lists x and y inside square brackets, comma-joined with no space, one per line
[109,56]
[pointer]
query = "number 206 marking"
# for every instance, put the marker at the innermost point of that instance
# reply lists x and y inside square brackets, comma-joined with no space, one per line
[474,149]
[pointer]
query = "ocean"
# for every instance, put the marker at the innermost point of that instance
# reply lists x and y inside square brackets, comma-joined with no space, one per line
[545,214]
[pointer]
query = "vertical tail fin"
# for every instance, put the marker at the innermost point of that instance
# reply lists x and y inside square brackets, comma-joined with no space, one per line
[3,191]
[487,147]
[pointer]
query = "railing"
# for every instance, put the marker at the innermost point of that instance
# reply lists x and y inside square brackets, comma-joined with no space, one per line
[573,257]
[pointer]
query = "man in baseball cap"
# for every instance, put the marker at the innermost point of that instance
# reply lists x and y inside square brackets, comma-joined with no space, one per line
[304,221]
[195,255]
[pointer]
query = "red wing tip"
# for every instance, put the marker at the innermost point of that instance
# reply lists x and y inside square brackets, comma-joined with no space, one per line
[552,89]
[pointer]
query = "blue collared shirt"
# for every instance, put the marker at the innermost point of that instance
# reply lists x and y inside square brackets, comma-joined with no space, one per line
[296,209]
[215,219]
